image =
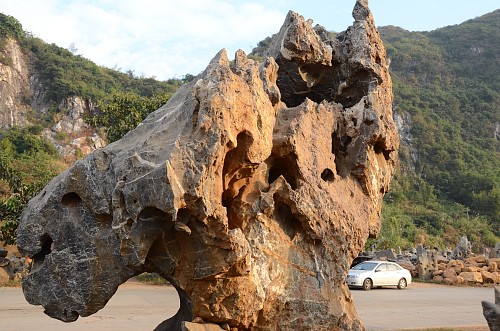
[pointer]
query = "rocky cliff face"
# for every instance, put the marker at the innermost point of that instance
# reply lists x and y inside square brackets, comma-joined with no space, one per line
[251,190]
[22,99]
[15,93]
[78,136]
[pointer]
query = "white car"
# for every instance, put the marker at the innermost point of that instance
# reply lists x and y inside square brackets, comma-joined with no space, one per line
[378,273]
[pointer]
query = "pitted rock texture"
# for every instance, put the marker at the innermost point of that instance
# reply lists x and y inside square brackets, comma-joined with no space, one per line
[251,190]
[491,311]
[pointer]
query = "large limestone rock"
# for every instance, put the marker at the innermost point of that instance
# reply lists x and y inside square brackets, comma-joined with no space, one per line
[251,191]
[491,311]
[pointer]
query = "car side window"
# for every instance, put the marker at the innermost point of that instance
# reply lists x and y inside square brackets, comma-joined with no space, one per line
[382,267]
[392,267]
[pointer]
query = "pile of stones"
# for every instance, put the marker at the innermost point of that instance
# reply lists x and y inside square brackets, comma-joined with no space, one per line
[475,269]
[459,266]
[454,267]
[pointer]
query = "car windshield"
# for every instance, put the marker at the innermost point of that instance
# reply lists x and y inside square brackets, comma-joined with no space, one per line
[365,266]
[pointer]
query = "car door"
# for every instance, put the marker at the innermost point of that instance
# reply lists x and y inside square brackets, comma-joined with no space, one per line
[380,275]
[395,273]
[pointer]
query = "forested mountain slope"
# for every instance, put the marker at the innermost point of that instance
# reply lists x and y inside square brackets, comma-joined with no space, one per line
[447,108]
[447,104]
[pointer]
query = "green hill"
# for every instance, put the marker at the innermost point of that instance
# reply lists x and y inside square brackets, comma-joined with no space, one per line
[447,106]
[447,83]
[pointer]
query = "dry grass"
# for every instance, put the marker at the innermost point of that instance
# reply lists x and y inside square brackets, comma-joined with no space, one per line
[151,279]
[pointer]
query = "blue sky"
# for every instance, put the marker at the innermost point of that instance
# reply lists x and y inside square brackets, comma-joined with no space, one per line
[169,38]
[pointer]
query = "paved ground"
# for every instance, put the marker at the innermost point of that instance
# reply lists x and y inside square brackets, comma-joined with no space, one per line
[422,306]
[140,307]
[134,307]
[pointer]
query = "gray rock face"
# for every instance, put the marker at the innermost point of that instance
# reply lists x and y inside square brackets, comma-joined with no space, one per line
[491,311]
[251,191]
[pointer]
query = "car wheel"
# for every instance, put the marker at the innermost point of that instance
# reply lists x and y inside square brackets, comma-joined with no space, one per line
[367,284]
[402,283]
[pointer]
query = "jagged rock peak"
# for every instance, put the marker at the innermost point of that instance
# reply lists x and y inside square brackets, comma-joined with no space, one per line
[251,191]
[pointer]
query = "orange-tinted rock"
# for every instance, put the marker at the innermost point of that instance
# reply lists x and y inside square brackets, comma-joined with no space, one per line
[251,190]
[471,277]
[437,279]
[488,277]
[450,272]
[456,263]
[437,273]
[471,269]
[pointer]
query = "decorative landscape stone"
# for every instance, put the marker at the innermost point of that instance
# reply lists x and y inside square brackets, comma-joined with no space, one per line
[491,311]
[251,190]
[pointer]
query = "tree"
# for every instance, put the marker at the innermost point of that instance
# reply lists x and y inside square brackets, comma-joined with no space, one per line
[27,163]
[124,111]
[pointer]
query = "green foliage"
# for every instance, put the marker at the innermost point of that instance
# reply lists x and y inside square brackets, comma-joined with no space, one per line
[448,81]
[258,52]
[64,74]
[10,27]
[412,214]
[124,111]
[27,163]
[151,279]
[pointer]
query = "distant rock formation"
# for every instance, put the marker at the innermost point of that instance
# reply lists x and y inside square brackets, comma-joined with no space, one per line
[14,86]
[21,94]
[251,190]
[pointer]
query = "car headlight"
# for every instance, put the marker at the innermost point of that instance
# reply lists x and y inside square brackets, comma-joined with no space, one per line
[353,276]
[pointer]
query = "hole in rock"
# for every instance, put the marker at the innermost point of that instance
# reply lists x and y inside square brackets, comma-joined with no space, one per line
[46,248]
[283,166]
[320,82]
[104,218]
[286,220]
[151,223]
[184,215]
[236,174]
[327,175]
[379,148]
[71,199]
[151,214]
[339,149]
[161,301]
[236,162]
[340,144]
[233,206]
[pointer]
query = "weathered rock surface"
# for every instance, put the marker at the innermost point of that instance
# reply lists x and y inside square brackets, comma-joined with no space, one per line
[491,311]
[14,86]
[251,190]
[77,135]
[471,277]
